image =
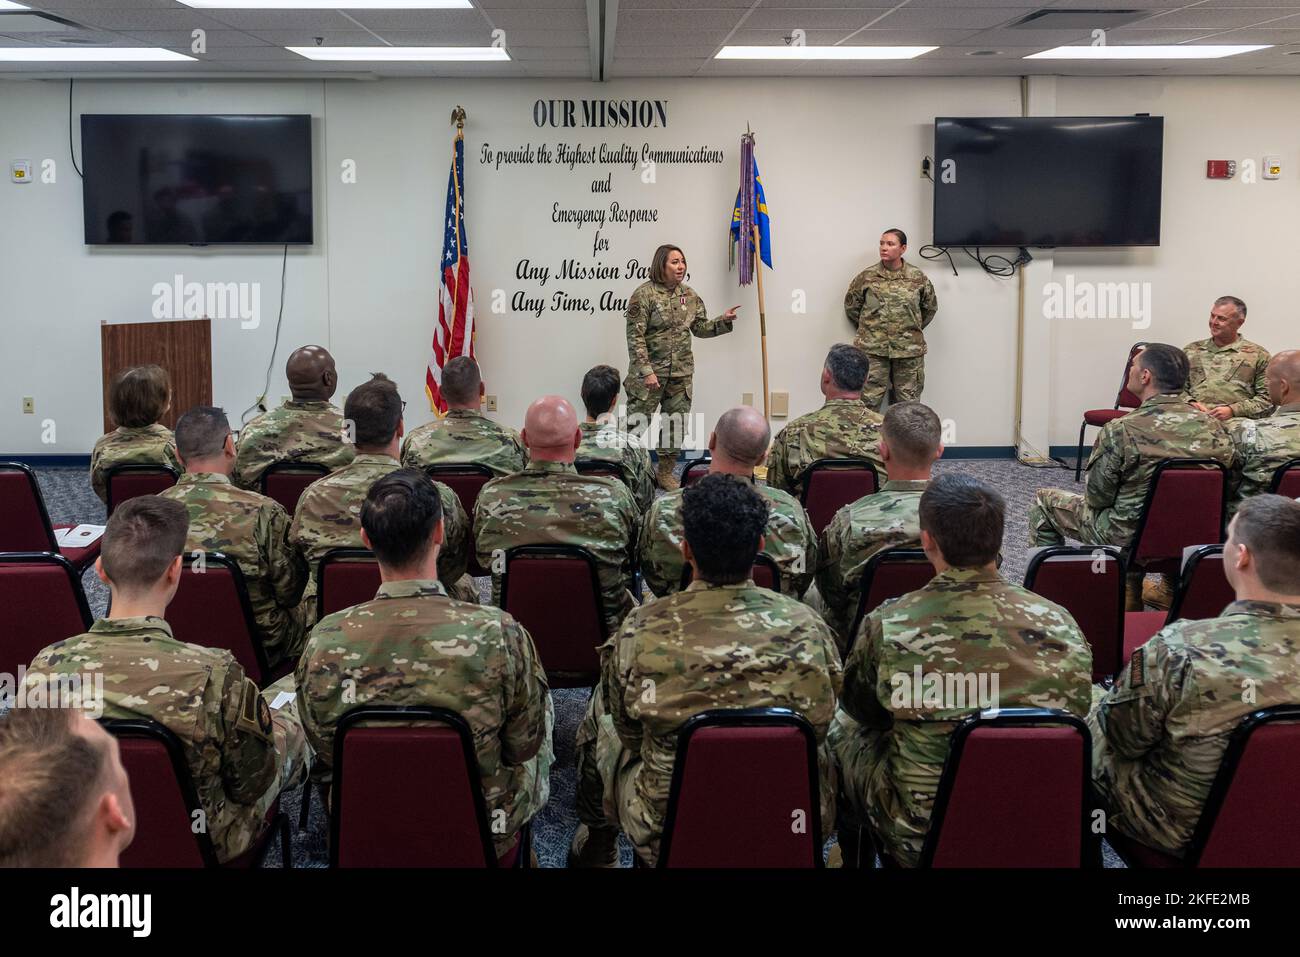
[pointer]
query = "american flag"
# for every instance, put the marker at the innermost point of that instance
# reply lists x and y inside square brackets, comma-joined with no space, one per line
[454,334]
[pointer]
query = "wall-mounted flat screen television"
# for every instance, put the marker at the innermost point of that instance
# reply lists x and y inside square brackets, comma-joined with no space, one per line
[170,179]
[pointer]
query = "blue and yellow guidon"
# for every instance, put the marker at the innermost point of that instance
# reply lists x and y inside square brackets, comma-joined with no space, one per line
[760,219]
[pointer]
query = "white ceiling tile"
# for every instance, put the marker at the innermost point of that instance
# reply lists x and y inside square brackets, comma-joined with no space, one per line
[430,21]
[216,39]
[652,23]
[1200,18]
[951,17]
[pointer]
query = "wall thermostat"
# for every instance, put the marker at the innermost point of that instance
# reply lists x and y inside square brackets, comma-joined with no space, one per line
[20,171]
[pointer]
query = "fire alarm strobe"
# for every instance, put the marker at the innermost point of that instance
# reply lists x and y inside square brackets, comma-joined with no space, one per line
[20,171]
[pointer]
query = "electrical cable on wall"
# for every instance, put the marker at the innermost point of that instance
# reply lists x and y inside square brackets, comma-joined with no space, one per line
[71,151]
[995,265]
[260,404]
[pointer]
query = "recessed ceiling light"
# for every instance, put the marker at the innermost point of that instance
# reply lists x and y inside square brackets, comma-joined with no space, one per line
[1182,51]
[820,53]
[328,4]
[88,55]
[397,54]
[10,5]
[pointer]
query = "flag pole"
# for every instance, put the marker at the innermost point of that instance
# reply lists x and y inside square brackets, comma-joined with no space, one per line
[762,323]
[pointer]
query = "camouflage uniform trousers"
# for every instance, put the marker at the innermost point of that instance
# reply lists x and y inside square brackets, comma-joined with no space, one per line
[903,380]
[1057,515]
[293,754]
[606,773]
[672,399]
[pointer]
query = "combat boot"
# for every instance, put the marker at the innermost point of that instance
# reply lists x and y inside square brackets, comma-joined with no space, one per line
[1133,591]
[1159,593]
[594,847]
[667,481]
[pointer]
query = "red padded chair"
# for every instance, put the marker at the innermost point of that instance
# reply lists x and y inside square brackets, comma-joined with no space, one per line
[1251,817]
[1014,793]
[125,482]
[1286,480]
[466,480]
[740,779]
[1125,402]
[286,481]
[211,608]
[890,573]
[409,795]
[345,577]
[166,804]
[765,573]
[696,470]
[1088,582]
[24,522]
[599,467]
[1184,506]
[1203,592]
[43,603]
[829,484]
[554,592]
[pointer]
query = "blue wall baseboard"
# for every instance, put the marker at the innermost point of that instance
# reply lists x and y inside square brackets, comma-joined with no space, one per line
[49,461]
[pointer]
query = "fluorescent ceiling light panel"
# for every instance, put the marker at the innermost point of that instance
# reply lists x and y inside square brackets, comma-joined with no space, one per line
[402,54]
[328,4]
[89,55]
[820,53]
[1181,51]
[10,5]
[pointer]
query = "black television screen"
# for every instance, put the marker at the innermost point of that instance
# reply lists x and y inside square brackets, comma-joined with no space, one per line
[1048,181]
[155,179]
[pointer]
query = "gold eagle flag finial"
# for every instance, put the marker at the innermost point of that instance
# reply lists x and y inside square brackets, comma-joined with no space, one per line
[458,117]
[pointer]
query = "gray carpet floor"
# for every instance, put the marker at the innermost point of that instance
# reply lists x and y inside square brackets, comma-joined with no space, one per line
[68,498]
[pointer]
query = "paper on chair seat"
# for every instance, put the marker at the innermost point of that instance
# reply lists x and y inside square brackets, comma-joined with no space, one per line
[79,536]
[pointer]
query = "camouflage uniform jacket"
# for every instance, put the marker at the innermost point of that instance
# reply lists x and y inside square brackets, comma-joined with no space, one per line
[464,436]
[1161,731]
[199,694]
[309,432]
[889,309]
[966,624]
[1231,375]
[660,323]
[549,503]
[789,541]
[858,531]
[1129,448]
[1261,447]
[412,645]
[713,646]
[253,531]
[840,429]
[605,442]
[148,445]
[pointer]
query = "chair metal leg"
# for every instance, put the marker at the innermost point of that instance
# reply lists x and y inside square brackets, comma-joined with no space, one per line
[286,843]
[305,811]
[1078,458]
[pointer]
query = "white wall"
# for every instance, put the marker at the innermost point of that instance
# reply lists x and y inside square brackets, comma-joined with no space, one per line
[839,160]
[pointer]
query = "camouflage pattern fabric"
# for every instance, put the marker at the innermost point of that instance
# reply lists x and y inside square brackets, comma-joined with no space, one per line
[1160,734]
[1260,448]
[710,646]
[1231,375]
[239,753]
[888,519]
[903,380]
[889,308]
[660,323]
[148,445]
[253,531]
[464,436]
[672,399]
[840,429]
[789,541]
[969,627]
[412,645]
[1123,460]
[605,442]
[549,503]
[305,432]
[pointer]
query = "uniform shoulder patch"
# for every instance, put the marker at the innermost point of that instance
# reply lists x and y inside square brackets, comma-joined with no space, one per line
[1137,669]
[254,712]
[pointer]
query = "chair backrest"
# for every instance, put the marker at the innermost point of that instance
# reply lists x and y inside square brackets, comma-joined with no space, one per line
[407,795]
[829,484]
[466,479]
[1125,399]
[163,794]
[1203,589]
[345,577]
[43,603]
[766,573]
[889,573]
[1088,582]
[554,592]
[1251,817]
[1014,793]
[696,470]
[211,608]
[125,482]
[1286,480]
[24,522]
[599,467]
[286,481]
[1184,506]
[744,792]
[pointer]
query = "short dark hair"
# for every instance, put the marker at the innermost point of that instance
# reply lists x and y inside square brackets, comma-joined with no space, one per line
[1234,302]
[399,514]
[660,261]
[201,432]
[723,519]
[375,410]
[1167,364]
[1269,525]
[902,236]
[144,536]
[965,517]
[49,773]
[461,380]
[913,432]
[848,366]
[599,389]
[139,396]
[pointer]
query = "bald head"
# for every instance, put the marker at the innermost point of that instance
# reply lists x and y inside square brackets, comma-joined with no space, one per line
[311,374]
[739,441]
[1284,377]
[551,430]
